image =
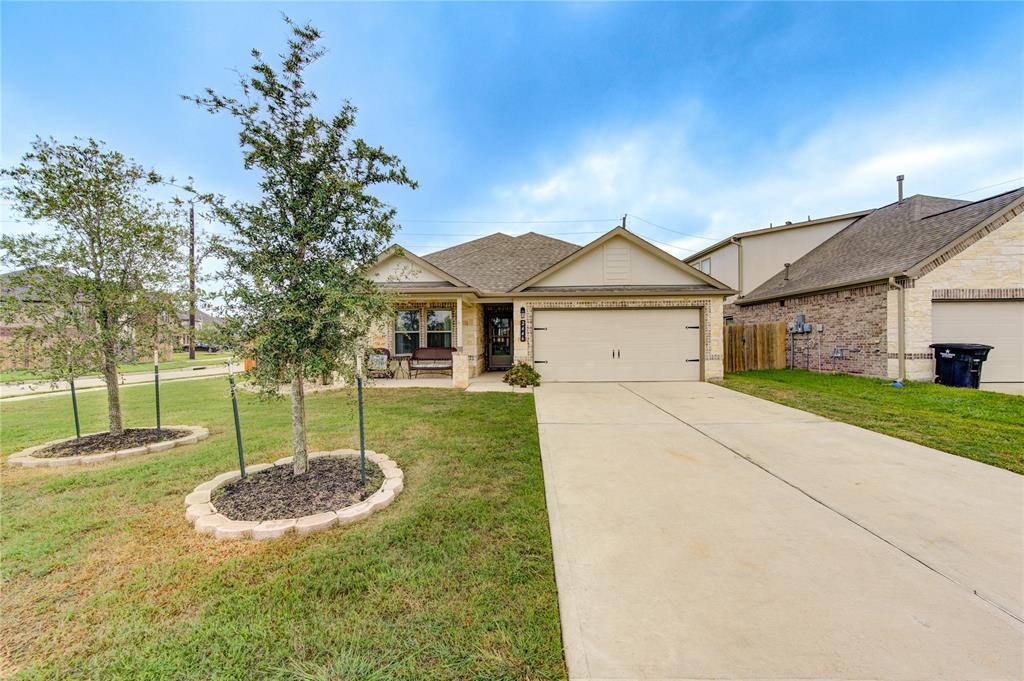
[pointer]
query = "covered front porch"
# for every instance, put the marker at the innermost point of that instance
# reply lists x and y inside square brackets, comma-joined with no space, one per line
[445,340]
[486,382]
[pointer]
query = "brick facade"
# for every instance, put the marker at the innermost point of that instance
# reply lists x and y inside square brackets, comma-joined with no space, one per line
[853,336]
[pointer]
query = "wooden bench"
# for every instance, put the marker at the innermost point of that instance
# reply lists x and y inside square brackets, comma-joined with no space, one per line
[430,360]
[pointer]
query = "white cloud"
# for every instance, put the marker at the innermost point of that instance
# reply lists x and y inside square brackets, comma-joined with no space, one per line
[947,141]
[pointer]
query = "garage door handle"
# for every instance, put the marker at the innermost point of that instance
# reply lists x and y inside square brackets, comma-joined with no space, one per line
[540,361]
[540,328]
[693,327]
[693,360]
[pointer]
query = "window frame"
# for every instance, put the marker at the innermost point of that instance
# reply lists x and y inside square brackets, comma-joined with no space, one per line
[415,333]
[450,332]
[704,265]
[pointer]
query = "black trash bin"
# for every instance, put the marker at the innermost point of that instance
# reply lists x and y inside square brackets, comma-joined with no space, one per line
[959,364]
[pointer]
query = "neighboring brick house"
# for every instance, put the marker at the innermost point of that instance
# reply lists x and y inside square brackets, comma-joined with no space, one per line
[923,270]
[618,308]
[204,322]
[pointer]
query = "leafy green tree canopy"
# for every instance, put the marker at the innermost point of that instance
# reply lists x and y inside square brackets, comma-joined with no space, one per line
[297,300]
[107,270]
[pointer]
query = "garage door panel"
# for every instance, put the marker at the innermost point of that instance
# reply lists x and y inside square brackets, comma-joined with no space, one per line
[618,344]
[996,323]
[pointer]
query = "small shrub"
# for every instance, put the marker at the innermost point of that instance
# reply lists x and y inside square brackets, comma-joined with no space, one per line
[522,375]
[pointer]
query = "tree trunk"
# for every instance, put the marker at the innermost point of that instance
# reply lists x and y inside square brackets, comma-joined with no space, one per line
[300,460]
[113,389]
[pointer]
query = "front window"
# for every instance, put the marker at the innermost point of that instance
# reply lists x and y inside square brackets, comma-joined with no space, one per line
[439,329]
[407,331]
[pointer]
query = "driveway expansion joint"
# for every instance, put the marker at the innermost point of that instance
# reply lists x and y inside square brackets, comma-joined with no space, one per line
[831,508]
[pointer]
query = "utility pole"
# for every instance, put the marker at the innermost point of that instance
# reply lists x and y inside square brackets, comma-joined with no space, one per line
[191,282]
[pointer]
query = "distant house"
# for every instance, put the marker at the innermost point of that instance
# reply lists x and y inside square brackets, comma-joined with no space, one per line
[204,321]
[16,355]
[926,269]
[746,260]
[617,309]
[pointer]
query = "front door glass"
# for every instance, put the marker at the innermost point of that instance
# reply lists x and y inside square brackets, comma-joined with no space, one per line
[499,341]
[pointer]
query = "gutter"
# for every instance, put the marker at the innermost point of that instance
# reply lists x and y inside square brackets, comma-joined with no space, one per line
[739,262]
[779,228]
[856,283]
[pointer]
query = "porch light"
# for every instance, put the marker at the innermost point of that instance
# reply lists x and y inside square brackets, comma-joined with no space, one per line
[522,311]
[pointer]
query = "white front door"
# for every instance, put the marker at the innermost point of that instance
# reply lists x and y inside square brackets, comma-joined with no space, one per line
[618,344]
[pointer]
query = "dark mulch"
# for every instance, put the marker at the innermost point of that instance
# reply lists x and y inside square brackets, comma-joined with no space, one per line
[328,485]
[105,442]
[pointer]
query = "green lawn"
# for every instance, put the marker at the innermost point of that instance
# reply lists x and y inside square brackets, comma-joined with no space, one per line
[975,424]
[103,577]
[179,360]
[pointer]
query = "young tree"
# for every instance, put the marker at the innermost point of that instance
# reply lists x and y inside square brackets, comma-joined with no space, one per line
[297,298]
[108,267]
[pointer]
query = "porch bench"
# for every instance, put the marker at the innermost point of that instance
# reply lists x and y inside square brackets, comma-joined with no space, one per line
[430,360]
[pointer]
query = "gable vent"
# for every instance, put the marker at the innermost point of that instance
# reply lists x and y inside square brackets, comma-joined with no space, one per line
[616,264]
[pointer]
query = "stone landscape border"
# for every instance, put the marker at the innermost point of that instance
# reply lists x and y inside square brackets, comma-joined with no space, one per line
[26,456]
[200,512]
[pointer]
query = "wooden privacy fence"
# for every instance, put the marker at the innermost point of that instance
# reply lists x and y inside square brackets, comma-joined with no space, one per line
[755,346]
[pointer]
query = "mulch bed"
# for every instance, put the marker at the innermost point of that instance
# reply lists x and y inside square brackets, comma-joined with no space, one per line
[329,484]
[105,442]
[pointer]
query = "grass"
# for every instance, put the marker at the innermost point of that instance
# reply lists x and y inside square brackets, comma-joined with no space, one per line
[104,579]
[979,425]
[179,360]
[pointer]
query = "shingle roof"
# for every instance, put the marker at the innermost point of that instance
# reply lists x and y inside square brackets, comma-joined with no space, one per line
[499,262]
[884,243]
[202,317]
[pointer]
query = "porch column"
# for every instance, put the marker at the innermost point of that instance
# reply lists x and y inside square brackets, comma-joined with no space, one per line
[460,360]
[458,324]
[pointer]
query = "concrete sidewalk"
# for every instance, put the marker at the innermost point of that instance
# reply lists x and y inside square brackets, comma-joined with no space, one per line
[700,533]
[30,389]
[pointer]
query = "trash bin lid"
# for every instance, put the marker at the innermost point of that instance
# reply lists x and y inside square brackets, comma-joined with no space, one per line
[961,346]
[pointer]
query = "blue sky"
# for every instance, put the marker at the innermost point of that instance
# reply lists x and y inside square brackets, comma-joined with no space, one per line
[703,118]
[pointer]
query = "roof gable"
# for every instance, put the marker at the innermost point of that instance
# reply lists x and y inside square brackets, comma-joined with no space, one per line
[891,241]
[620,258]
[397,266]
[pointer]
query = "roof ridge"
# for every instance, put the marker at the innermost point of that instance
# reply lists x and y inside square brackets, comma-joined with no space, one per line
[463,244]
[968,204]
[550,238]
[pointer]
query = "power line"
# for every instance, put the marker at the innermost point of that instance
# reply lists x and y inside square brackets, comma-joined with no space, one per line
[663,243]
[997,184]
[509,222]
[403,233]
[674,231]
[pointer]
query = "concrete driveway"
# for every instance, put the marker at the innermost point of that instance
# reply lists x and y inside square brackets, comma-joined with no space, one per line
[704,534]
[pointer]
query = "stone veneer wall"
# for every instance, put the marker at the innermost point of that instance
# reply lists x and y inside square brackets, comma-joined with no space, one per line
[469,333]
[988,267]
[711,321]
[472,335]
[853,320]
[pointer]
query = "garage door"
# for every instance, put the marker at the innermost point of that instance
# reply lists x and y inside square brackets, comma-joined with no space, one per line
[617,345]
[996,323]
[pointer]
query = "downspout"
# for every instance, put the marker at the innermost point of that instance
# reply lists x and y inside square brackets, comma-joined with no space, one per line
[901,328]
[739,263]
